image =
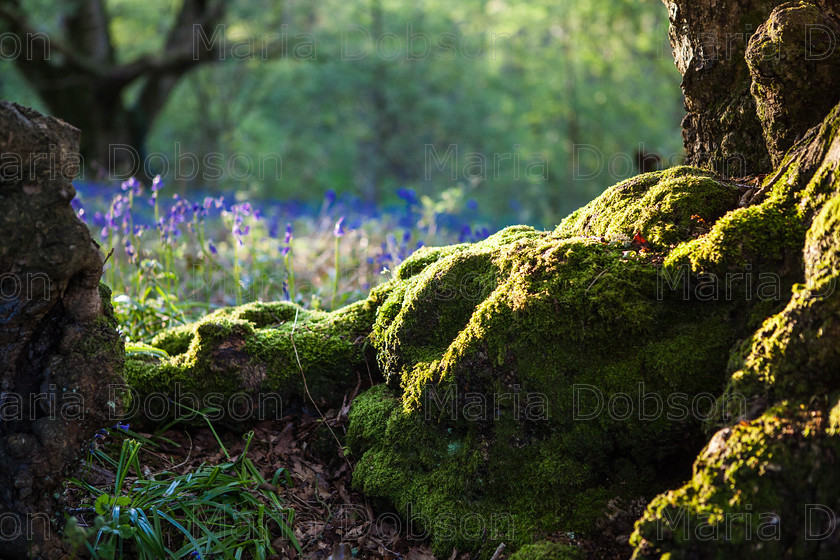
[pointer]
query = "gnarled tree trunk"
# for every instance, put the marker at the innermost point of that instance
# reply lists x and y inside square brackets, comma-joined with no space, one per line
[722,129]
[59,348]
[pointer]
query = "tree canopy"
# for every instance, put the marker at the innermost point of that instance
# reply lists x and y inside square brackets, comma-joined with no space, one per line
[543,104]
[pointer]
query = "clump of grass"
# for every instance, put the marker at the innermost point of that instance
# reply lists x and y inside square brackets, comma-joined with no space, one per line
[225,511]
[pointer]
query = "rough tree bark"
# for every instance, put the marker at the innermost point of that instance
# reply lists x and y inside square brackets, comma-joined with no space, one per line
[59,348]
[722,129]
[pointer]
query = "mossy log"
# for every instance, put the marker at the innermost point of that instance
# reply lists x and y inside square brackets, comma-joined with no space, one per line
[249,362]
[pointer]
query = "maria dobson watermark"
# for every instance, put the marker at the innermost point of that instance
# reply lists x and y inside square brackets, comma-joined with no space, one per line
[730,526]
[357,42]
[590,402]
[51,404]
[31,286]
[31,46]
[820,524]
[590,163]
[187,406]
[476,406]
[744,285]
[126,162]
[188,166]
[16,526]
[707,286]
[479,166]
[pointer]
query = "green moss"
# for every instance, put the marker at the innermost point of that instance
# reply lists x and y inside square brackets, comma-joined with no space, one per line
[761,235]
[547,551]
[666,207]
[485,351]
[749,494]
[276,350]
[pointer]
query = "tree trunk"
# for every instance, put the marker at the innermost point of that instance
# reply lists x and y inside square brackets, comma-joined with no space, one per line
[85,85]
[113,144]
[722,129]
[59,348]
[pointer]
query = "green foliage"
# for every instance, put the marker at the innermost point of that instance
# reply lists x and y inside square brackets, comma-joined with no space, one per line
[526,81]
[530,79]
[221,511]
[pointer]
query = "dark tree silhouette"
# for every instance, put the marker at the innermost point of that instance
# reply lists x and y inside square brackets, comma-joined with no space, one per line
[80,80]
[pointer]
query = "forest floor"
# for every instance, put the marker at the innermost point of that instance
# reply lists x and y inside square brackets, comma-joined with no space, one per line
[332,521]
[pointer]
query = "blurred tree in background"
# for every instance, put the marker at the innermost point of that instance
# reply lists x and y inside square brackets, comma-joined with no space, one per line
[529,107]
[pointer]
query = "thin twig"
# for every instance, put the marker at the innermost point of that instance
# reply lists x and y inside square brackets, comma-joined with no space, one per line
[108,256]
[498,553]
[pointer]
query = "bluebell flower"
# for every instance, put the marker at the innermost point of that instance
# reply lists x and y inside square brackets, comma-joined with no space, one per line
[121,426]
[132,185]
[129,250]
[339,228]
[409,195]
[329,196]
[157,184]
[212,248]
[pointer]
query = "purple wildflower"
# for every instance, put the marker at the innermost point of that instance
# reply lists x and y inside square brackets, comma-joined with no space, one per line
[239,213]
[130,251]
[339,228]
[132,185]
[287,241]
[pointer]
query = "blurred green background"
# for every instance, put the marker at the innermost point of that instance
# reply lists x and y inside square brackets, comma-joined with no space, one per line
[507,87]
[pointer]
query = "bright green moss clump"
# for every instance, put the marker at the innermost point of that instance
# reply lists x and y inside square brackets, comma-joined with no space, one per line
[523,371]
[665,207]
[758,491]
[262,349]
